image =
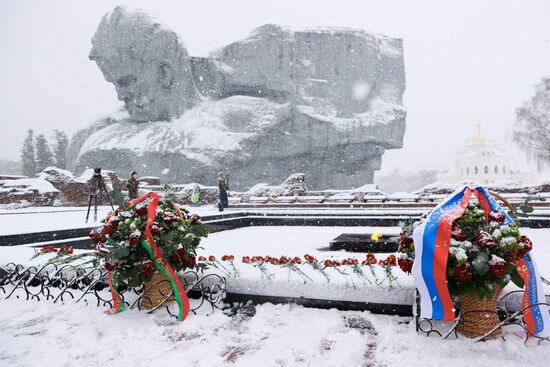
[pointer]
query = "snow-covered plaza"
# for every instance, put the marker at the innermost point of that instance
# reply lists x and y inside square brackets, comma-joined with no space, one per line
[76,334]
[274,183]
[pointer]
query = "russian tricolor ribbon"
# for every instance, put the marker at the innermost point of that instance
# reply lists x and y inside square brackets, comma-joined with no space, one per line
[148,242]
[432,240]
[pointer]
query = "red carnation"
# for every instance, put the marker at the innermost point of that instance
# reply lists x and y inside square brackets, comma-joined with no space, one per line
[202,258]
[309,258]
[147,268]
[48,249]
[96,236]
[463,272]
[484,240]
[155,228]
[110,265]
[211,258]
[458,233]
[496,216]
[134,238]
[406,242]
[66,249]
[405,265]
[391,260]
[107,229]
[189,261]
[228,258]
[284,260]
[169,218]
[498,269]
[194,219]
[114,222]
[370,260]
[141,210]
[327,263]
[527,244]
[246,259]
[296,260]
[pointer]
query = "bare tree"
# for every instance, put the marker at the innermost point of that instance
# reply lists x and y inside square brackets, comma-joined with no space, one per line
[532,129]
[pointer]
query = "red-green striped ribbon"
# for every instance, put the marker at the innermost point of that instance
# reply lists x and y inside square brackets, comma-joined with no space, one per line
[148,242]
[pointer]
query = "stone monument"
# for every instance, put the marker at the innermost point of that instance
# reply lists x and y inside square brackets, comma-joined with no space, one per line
[325,102]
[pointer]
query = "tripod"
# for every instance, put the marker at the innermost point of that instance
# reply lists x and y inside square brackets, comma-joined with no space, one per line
[97,187]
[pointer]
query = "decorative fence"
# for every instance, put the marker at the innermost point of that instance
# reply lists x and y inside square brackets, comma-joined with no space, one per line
[69,283]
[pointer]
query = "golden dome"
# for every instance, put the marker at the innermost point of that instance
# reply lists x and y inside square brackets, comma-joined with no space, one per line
[479,139]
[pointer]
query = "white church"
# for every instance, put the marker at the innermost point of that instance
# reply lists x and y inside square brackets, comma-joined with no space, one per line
[483,161]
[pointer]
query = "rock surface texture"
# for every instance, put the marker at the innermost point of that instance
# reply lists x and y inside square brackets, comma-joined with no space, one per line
[325,102]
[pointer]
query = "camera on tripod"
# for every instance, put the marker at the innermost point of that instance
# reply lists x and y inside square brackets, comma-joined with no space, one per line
[97,188]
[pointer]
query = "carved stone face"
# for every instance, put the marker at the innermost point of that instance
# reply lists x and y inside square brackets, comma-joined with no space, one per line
[146,89]
[147,64]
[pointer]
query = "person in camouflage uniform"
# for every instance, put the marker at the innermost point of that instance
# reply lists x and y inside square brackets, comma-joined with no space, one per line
[223,185]
[132,186]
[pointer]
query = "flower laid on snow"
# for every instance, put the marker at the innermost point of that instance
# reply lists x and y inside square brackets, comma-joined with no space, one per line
[291,264]
[389,261]
[230,259]
[370,260]
[47,249]
[312,261]
[65,250]
[259,262]
[354,263]
[387,264]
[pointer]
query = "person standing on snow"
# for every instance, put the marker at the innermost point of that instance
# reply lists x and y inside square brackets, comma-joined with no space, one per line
[132,186]
[223,185]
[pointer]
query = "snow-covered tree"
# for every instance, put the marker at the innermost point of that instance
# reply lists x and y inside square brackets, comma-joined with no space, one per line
[44,157]
[60,149]
[532,128]
[28,155]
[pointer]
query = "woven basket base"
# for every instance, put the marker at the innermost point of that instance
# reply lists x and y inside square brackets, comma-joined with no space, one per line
[156,291]
[480,316]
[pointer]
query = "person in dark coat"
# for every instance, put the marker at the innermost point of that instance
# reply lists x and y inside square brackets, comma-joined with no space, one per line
[132,186]
[223,185]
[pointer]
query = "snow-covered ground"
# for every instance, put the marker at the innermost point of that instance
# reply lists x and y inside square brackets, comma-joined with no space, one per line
[45,334]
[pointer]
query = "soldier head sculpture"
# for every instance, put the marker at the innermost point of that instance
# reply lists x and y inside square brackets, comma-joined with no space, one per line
[147,63]
[324,102]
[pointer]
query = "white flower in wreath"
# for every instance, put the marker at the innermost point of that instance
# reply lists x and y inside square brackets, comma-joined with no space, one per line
[505,229]
[467,245]
[459,253]
[508,242]
[496,259]
[497,234]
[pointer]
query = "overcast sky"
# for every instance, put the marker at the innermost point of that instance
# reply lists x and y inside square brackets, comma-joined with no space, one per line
[467,62]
